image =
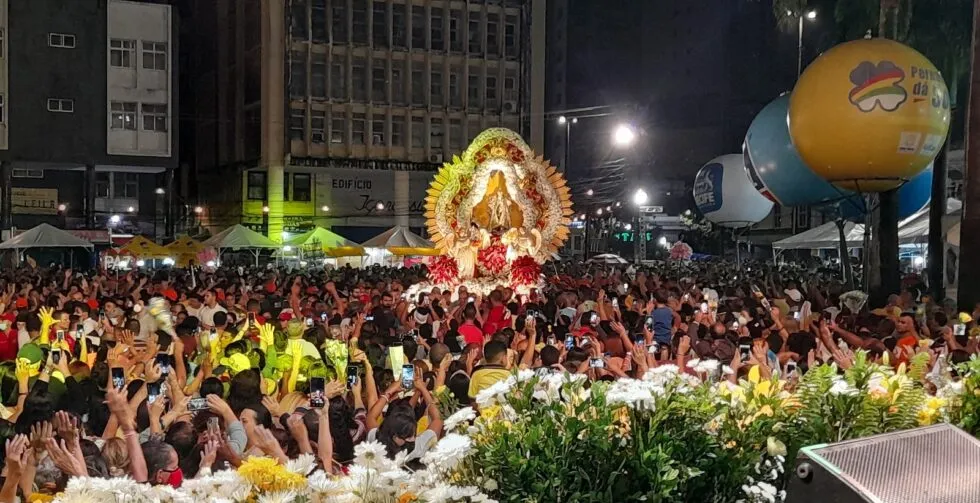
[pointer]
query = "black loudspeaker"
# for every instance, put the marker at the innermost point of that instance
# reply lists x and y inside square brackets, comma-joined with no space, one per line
[935,464]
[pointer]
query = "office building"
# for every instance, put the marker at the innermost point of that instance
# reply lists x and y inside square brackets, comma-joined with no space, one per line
[87,101]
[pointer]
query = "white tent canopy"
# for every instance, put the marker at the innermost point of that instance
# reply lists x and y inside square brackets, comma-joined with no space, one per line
[323,237]
[825,236]
[915,228]
[398,237]
[45,236]
[239,237]
[608,258]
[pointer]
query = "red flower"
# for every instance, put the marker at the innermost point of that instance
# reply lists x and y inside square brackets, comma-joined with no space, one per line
[524,271]
[443,270]
[493,258]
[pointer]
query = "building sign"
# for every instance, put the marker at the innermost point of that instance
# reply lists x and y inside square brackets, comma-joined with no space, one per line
[26,201]
[651,209]
[358,192]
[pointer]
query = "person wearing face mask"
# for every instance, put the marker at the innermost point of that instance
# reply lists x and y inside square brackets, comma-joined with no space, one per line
[8,337]
[162,464]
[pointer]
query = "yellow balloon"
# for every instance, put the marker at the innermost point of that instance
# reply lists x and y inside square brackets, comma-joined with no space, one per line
[868,115]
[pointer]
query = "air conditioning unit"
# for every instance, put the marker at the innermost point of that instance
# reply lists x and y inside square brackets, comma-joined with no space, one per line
[510,106]
[435,158]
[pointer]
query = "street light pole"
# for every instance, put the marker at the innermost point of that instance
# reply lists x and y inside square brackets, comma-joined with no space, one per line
[799,50]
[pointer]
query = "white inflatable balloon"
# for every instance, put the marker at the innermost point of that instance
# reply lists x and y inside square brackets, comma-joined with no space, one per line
[725,195]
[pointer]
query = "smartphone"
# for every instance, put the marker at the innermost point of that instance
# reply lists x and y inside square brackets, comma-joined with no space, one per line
[152,392]
[369,318]
[639,339]
[596,363]
[744,350]
[686,297]
[649,323]
[79,333]
[959,329]
[56,356]
[569,342]
[796,316]
[60,334]
[735,325]
[470,300]
[352,371]
[101,315]
[704,308]
[615,303]
[323,317]
[214,427]
[790,367]
[214,333]
[653,348]
[196,404]
[408,376]
[594,319]
[118,378]
[317,399]
[251,318]
[585,340]
[309,322]
[163,361]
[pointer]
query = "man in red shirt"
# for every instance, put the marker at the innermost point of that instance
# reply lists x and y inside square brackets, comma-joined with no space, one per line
[470,332]
[498,317]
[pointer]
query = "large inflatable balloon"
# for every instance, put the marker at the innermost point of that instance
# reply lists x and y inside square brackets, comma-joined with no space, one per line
[912,197]
[726,196]
[869,114]
[774,165]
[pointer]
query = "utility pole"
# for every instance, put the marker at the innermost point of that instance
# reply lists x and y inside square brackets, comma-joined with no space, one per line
[969,288]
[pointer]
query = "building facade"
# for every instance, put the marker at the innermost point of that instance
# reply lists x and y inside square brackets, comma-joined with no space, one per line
[87,97]
[337,112]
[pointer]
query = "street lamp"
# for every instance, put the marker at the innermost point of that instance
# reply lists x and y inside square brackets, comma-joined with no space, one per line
[590,192]
[380,206]
[812,16]
[62,207]
[114,219]
[265,209]
[160,191]
[324,208]
[198,210]
[130,209]
[623,135]
[565,121]
[640,197]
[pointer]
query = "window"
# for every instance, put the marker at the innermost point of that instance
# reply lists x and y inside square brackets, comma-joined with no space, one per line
[418,88]
[397,130]
[456,30]
[256,185]
[359,27]
[510,85]
[379,24]
[378,90]
[297,123]
[418,132]
[155,117]
[475,35]
[27,173]
[63,105]
[378,129]
[357,125]
[125,185]
[435,133]
[337,132]
[418,27]
[102,184]
[493,37]
[438,42]
[472,128]
[122,53]
[318,75]
[491,92]
[301,187]
[435,87]
[358,79]
[510,36]
[123,115]
[285,186]
[455,90]
[338,22]
[399,20]
[473,92]
[297,74]
[154,55]
[297,20]
[61,40]
[1,43]
[338,77]
[397,84]
[318,126]
[1,109]
[456,134]
[318,21]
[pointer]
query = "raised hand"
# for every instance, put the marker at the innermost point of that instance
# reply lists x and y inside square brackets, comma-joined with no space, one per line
[17,454]
[65,460]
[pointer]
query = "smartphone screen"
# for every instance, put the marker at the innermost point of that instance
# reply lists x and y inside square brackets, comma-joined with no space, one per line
[323,317]
[959,329]
[649,323]
[163,361]
[118,379]
[251,318]
[152,392]
[744,350]
[309,322]
[470,300]
[352,372]
[790,367]
[214,427]
[704,308]
[317,399]
[653,348]
[551,340]
[56,356]
[60,334]
[408,376]
[594,319]
[569,342]
[196,404]
[596,363]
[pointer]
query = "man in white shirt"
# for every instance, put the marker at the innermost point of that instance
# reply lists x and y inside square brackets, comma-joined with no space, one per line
[205,313]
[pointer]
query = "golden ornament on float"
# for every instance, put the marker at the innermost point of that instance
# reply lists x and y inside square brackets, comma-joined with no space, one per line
[870,114]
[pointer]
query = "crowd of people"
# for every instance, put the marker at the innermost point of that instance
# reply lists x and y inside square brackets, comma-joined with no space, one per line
[167,375]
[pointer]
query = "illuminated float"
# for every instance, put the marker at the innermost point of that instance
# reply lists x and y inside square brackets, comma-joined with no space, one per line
[869,115]
[496,213]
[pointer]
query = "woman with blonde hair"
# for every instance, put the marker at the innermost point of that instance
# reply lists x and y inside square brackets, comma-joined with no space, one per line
[116,456]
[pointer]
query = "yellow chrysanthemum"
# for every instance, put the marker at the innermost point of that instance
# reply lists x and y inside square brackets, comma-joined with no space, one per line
[268,475]
[40,498]
[407,498]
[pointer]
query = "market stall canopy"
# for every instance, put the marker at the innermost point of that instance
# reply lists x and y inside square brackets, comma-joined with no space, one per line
[239,237]
[822,237]
[44,236]
[184,250]
[141,247]
[331,243]
[915,228]
[400,240]
[607,258]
